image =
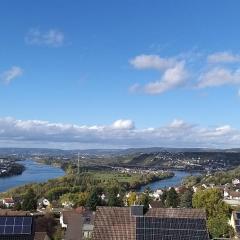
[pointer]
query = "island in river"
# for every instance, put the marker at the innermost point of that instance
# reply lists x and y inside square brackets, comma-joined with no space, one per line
[37,173]
[10,168]
[34,173]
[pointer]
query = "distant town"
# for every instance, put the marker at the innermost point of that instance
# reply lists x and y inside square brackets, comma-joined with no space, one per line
[100,186]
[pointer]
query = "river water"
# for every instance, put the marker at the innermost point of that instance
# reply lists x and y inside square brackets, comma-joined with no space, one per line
[176,180]
[35,172]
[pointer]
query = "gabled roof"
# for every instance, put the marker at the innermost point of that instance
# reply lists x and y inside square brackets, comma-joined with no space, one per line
[116,223]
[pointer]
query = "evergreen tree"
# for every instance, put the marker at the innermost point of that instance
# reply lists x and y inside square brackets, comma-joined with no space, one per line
[94,200]
[29,201]
[114,198]
[172,199]
[186,199]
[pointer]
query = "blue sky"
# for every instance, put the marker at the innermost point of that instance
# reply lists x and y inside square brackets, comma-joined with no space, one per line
[123,67]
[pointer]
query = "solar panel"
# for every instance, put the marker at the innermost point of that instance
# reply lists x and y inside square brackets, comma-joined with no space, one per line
[19,221]
[10,221]
[10,225]
[26,229]
[170,228]
[27,221]
[2,220]
[1,230]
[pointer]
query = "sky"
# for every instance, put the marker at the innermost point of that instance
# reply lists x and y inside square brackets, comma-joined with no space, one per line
[119,74]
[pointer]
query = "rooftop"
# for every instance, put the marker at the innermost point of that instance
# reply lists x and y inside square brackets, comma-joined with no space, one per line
[158,223]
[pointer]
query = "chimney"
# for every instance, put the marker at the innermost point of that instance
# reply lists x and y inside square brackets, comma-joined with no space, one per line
[137,210]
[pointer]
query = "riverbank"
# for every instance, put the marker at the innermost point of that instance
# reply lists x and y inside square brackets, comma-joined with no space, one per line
[34,173]
[174,181]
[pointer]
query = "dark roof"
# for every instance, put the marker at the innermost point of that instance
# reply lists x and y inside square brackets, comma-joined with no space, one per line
[156,204]
[75,220]
[74,229]
[158,223]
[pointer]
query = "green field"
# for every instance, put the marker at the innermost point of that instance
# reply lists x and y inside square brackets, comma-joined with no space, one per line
[120,177]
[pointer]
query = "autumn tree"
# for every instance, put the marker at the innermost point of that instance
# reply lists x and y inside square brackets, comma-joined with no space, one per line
[217,211]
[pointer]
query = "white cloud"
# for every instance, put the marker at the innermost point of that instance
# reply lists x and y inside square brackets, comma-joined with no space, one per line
[152,62]
[172,78]
[123,124]
[219,76]
[223,57]
[9,75]
[122,133]
[52,37]
[172,71]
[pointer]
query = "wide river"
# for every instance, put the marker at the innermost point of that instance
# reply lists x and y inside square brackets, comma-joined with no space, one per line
[35,172]
[169,182]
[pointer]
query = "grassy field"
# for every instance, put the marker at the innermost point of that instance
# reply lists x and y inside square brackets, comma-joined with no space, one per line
[120,177]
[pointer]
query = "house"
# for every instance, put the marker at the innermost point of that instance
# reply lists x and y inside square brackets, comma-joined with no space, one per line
[235,181]
[43,203]
[78,223]
[234,195]
[156,204]
[156,194]
[120,223]
[226,193]
[8,202]
[235,222]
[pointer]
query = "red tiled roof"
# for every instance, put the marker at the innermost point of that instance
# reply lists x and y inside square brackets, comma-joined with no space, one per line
[114,223]
[176,213]
[8,200]
[7,212]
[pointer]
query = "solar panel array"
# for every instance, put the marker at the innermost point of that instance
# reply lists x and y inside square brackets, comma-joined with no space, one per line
[237,222]
[15,225]
[153,228]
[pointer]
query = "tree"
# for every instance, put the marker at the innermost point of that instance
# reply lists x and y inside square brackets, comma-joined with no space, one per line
[29,201]
[211,201]
[144,200]
[217,211]
[164,196]
[218,226]
[186,199]
[172,199]
[94,200]
[132,199]
[82,199]
[114,198]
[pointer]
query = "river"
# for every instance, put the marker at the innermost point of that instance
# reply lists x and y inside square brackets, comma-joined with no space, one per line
[169,182]
[34,172]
